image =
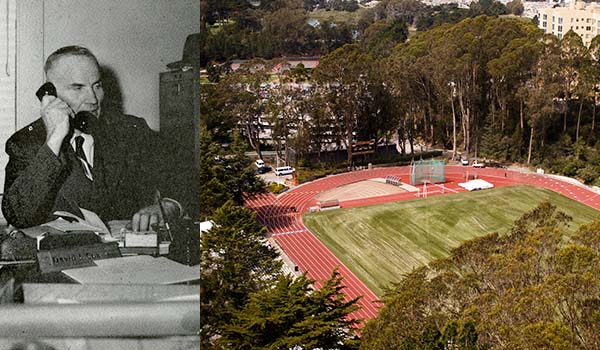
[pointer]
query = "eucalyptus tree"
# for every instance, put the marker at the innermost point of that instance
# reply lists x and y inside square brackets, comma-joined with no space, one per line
[282,112]
[218,122]
[483,41]
[594,51]
[529,289]
[510,70]
[439,81]
[332,35]
[285,31]
[542,91]
[410,84]
[239,98]
[448,79]
[515,7]
[509,66]
[381,36]
[346,75]
[573,56]
[405,10]
[443,76]
[585,89]
[461,51]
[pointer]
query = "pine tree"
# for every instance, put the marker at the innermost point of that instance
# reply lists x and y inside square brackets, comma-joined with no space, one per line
[213,192]
[293,316]
[235,262]
[239,177]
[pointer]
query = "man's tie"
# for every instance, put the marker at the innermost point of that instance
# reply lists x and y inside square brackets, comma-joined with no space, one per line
[81,155]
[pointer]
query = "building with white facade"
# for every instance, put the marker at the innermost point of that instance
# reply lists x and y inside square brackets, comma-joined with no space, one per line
[582,18]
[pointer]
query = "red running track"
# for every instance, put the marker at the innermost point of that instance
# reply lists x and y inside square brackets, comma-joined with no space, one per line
[312,256]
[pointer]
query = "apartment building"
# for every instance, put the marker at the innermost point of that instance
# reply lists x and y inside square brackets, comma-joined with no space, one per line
[582,18]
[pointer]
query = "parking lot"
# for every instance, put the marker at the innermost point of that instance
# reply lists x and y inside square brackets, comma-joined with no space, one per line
[271,177]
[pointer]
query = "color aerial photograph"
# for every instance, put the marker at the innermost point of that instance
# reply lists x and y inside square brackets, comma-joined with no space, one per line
[99,168]
[399,174]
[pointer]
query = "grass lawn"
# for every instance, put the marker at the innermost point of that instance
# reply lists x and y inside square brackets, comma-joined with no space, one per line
[380,243]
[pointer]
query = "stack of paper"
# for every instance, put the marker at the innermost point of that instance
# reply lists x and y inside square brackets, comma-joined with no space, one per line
[141,239]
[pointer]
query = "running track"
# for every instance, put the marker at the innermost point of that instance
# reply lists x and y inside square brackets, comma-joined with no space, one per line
[313,257]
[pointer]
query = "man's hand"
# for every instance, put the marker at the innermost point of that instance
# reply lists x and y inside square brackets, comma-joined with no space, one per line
[146,217]
[55,114]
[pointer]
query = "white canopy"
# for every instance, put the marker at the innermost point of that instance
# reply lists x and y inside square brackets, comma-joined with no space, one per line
[206,226]
[474,185]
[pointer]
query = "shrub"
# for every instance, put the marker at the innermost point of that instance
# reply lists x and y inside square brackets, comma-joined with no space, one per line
[571,165]
[588,174]
[276,188]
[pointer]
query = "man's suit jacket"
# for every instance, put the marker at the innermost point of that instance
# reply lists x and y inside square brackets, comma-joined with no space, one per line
[126,173]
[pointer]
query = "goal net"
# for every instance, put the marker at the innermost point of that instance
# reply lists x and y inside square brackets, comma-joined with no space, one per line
[430,171]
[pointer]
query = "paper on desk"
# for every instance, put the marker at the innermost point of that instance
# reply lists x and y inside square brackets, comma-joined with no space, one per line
[141,239]
[56,226]
[90,222]
[66,222]
[139,269]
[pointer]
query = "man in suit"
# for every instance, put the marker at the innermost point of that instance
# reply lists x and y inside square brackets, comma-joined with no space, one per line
[112,168]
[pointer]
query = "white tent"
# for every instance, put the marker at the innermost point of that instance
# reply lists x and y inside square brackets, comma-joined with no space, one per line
[206,226]
[474,185]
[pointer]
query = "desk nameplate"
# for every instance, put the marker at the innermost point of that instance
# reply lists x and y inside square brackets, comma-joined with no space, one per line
[56,260]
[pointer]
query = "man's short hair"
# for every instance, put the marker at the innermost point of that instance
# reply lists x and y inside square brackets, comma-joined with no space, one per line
[68,51]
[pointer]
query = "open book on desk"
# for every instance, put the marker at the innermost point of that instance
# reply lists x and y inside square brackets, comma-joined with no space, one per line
[68,222]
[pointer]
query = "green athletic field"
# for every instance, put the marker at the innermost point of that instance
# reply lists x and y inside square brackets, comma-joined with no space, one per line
[380,243]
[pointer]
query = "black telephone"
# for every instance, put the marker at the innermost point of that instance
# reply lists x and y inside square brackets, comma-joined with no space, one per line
[80,121]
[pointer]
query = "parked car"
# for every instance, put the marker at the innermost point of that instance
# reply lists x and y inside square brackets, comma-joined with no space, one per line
[264,169]
[464,161]
[259,163]
[284,170]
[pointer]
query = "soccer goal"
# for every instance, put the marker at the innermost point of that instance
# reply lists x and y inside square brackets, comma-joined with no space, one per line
[430,171]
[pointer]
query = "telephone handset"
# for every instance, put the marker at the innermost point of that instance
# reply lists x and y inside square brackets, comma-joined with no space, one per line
[80,121]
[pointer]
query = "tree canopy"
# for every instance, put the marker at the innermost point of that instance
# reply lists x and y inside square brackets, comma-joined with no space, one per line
[531,289]
[485,87]
[292,315]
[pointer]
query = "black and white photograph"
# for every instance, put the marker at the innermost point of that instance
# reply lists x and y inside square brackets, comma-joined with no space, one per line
[99,174]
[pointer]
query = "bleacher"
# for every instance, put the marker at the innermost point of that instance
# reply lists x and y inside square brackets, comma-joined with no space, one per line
[393,180]
[329,204]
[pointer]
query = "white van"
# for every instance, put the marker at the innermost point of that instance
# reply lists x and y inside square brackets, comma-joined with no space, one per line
[259,163]
[284,170]
[476,164]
